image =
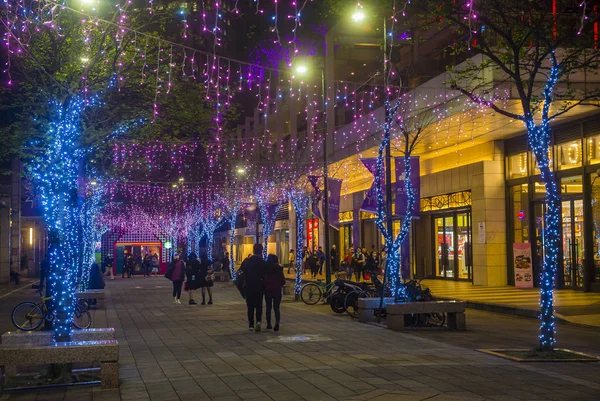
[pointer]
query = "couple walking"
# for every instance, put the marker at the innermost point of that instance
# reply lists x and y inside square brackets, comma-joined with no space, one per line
[262,279]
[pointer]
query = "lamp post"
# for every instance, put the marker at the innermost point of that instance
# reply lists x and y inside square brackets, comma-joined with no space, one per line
[302,69]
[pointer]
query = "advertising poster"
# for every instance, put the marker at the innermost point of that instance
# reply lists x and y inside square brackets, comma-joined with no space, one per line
[415,179]
[522,263]
[335,189]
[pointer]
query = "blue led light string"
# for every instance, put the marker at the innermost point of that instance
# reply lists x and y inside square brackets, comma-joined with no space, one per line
[301,202]
[55,175]
[539,142]
[232,207]
[264,193]
[393,255]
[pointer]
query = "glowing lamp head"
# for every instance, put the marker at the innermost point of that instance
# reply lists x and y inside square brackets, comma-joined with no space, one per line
[85,60]
[168,245]
[301,69]
[358,16]
[241,170]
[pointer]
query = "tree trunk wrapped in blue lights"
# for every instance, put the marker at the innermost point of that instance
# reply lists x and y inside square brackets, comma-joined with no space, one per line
[301,203]
[56,178]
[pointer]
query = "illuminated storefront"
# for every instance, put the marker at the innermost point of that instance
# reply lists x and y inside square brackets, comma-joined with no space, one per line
[575,158]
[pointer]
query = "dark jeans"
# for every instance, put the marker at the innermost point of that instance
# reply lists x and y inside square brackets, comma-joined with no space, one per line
[254,302]
[321,267]
[177,289]
[273,300]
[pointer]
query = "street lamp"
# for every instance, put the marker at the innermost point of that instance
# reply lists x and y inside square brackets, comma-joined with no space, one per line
[241,170]
[303,69]
[357,17]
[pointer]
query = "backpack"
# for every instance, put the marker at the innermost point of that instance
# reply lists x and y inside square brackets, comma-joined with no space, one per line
[240,282]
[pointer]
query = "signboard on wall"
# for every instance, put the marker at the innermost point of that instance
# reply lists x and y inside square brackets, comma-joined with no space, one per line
[522,263]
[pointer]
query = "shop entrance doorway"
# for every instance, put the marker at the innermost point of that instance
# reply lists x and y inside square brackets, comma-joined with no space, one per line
[138,250]
[453,245]
[572,243]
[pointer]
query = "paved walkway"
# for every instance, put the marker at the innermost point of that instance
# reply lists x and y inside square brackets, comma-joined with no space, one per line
[181,352]
[572,306]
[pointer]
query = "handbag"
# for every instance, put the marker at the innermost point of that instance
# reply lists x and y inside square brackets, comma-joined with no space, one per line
[169,274]
[210,277]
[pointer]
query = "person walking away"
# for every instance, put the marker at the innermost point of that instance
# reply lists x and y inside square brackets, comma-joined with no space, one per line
[192,273]
[304,257]
[129,266]
[371,265]
[254,272]
[146,264]
[335,258]
[125,264]
[359,261]
[274,282]
[365,255]
[176,274]
[44,271]
[321,259]
[292,261]
[349,262]
[227,264]
[154,263]
[206,279]
[313,264]
[96,278]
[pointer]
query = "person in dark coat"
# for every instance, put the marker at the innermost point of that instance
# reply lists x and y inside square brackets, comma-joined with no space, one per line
[335,259]
[205,279]
[274,282]
[254,271]
[176,274]
[96,278]
[192,273]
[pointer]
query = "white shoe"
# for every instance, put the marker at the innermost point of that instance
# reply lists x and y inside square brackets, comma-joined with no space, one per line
[257,327]
[178,302]
[175,299]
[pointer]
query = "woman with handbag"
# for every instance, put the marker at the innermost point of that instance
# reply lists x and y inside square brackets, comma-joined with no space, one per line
[176,274]
[206,278]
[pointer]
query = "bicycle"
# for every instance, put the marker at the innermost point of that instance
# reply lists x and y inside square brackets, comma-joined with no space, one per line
[351,300]
[414,292]
[33,314]
[311,293]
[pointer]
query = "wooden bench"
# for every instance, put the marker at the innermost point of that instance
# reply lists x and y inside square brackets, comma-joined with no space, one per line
[222,276]
[368,306]
[104,351]
[98,295]
[454,310]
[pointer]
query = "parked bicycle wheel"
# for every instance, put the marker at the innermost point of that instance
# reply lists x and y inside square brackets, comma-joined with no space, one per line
[27,316]
[436,319]
[311,293]
[351,303]
[82,319]
[83,304]
[336,302]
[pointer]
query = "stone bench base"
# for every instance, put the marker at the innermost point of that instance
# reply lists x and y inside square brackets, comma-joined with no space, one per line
[368,306]
[454,310]
[222,277]
[25,338]
[288,289]
[98,295]
[105,351]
